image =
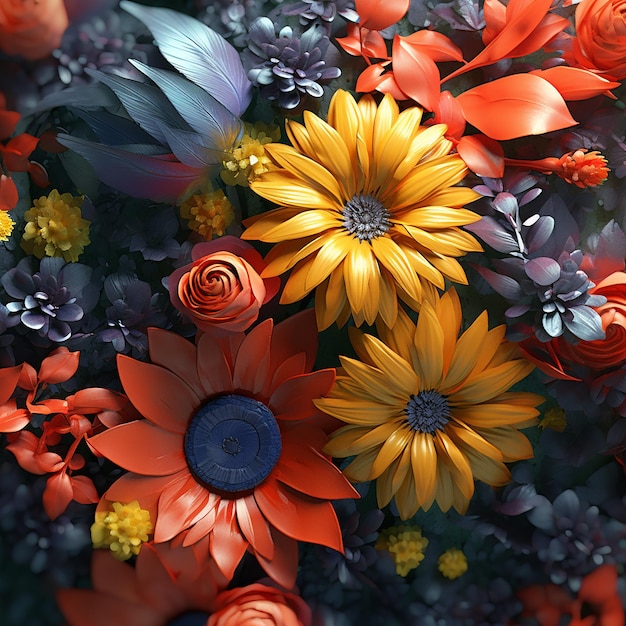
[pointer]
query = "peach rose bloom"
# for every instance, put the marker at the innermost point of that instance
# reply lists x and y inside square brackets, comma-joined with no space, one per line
[31,28]
[259,605]
[600,42]
[610,352]
[222,288]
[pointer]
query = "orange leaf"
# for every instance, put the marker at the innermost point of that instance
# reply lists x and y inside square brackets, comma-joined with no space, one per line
[59,366]
[515,106]
[57,494]
[84,490]
[379,14]
[484,156]
[9,377]
[449,112]
[574,83]
[436,45]
[416,73]
[522,18]
[374,78]
[550,26]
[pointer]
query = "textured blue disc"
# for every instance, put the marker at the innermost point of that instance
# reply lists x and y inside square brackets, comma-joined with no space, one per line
[232,443]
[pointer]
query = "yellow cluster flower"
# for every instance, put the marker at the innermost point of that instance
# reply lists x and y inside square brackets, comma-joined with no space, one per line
[208,214]
[122,530]
[55,227]
[248,160]
[452,563]
[405,544]
[554,419]
[6,226]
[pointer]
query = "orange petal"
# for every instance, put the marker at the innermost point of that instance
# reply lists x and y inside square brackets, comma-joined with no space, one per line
[254,526]
[252,363]
[299,463]
[113,577]
[515,106]
[158,394]
[176,354]
[284,566]
[59,366]
[574,83]
[298,516]
[142,448]
[293,400]
[8,381]
[379,14]
[213,367]
[228,545]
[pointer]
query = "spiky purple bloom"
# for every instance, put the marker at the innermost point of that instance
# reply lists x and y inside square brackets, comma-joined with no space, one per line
[286,67]
[49,300]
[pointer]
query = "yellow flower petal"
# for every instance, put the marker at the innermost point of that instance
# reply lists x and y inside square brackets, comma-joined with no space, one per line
[428,344]
[392,448]
[424,464]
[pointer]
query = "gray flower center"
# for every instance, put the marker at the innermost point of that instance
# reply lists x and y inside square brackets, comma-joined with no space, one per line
[428,412]
[366,217]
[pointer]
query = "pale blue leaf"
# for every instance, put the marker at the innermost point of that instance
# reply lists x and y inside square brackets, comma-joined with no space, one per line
[88,97]
[185,146]
[199,109]
[112,129]
[539,233]
[199,53]
[543,271]
[144,103]
[506,286]
[154,176]
[586,323]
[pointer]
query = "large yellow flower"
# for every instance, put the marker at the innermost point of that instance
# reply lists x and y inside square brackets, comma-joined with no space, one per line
[368,210]
[429,411]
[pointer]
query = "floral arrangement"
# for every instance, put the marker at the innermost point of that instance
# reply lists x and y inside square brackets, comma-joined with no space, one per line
[313,313]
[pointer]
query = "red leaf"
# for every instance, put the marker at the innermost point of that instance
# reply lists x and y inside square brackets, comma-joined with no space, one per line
[416,73]
[574,83]
[38,174]
[484,156]
[374,78]
[515,106]
[8,193]
[9,377]
[59,366]
[57,494]
[449,112]
[84,490]
[12,419]
[436,45]
[8,122]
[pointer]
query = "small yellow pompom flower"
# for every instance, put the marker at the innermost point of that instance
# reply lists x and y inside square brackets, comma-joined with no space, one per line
[452,563]
[6,226]
[55,227]
[123,530]
[209,214]
[405,544]
[249,159]
[554,419]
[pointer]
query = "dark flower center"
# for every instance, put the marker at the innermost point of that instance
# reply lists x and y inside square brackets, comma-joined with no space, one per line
[232,443]
[428,412]
[190,618]
[366,217]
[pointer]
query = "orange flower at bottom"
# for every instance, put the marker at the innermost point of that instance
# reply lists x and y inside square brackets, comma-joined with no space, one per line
[229,457]
[168,586]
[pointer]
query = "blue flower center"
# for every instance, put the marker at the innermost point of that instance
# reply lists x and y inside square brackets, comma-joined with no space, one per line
[232,443]
[428,412]
[190,618]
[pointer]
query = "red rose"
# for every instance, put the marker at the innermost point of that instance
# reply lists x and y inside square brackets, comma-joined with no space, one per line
[222,288]
[259,605]
[610,352]
[600,42]
[31,28]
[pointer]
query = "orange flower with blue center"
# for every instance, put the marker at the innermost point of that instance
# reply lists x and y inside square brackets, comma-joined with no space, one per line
[229,456]
[428,411]
[369,210]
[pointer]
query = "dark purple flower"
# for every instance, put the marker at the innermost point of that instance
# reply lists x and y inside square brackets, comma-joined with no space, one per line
[286,67]
[461,15]
[153,234]
[50,301]
[326,10]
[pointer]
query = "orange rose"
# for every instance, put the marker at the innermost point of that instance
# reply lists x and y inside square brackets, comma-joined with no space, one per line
[606,353]
[31,28]
[259,605]
[600,43]
[222,288]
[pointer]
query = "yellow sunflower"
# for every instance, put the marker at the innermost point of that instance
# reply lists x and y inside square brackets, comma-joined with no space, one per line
[369,210]
[429,411]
